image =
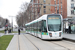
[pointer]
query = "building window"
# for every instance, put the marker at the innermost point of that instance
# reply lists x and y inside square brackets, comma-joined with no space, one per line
[31,0]
[55,2]
[58,1]
[72,0]
[72,5]
[44,10]
[72,11]
[44,1]
[44,6]
[57,11]
[61,7]
[55,8]
[61,1]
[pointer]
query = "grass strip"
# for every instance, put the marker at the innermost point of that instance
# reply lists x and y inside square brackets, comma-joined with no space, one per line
[4,41]
[2,31]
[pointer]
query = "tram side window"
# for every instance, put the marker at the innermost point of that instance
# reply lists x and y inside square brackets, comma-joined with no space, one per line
[39,26]
[28,27]
[44,28]
[36,26]
[33,26]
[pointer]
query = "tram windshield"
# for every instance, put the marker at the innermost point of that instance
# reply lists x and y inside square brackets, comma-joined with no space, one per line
[54,22]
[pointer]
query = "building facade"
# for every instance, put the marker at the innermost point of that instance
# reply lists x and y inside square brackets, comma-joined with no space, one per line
[70,8]
[34,9]
[60,8]
[45,7]
[39,8]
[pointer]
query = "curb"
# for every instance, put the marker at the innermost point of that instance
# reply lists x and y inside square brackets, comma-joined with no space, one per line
[1,35]
[68,39]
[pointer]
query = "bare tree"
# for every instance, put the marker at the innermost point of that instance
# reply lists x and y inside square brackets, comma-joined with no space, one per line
[22,16]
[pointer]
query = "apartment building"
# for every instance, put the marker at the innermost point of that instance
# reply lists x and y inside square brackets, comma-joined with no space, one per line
[70,8]
[34,9]
[38,9]
[45,8]
[60,9]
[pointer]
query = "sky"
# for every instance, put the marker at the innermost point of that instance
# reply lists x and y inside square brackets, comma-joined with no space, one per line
[11,8]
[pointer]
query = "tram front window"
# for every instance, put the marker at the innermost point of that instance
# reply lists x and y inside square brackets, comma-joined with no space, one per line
[54,22]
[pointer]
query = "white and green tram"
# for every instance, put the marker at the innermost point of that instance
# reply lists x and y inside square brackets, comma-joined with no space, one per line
[49,26]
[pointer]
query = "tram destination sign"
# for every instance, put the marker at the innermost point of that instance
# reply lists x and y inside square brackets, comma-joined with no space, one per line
[53,18]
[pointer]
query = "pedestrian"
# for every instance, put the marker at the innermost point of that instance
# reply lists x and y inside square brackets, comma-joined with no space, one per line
[5,31]
[66,29]
[19,31]
[10,30]
[69,29]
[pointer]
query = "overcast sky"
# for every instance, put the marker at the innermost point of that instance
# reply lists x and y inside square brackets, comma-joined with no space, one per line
[10,8]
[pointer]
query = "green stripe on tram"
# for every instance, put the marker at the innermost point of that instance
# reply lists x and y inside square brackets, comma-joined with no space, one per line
[44,33]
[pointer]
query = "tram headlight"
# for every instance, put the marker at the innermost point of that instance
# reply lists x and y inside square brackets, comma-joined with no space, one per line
[50,34]
[60,34]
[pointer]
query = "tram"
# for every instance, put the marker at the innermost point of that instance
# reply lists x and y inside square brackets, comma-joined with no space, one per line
[48,26]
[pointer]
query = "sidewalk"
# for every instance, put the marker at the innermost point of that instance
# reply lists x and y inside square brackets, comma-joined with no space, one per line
[69,36]
[13,45]
[19,42]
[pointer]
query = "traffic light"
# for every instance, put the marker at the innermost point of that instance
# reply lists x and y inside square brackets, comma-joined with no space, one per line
[74,8]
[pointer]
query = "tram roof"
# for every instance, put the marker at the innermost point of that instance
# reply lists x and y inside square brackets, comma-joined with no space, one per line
[40,18]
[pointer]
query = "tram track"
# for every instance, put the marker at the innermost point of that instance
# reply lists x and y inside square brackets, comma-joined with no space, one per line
[70,42]
[18,43]
[53,42]
[32,43]
[65,43]
[60,45]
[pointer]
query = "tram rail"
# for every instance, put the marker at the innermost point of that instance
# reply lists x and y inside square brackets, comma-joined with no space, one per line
[60,45]
[32,43]
[18,43]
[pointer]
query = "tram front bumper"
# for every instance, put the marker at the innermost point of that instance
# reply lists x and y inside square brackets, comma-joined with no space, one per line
[48,37]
